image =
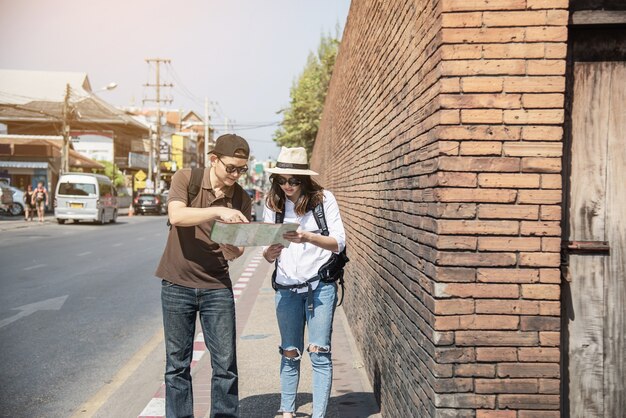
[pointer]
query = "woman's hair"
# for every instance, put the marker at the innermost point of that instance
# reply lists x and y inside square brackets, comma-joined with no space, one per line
[311,195]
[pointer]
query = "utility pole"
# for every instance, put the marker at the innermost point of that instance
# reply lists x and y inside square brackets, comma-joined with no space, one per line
[206,132]
[65,130]
[158,100]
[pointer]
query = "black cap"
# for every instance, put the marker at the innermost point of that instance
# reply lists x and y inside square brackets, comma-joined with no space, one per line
[231,145]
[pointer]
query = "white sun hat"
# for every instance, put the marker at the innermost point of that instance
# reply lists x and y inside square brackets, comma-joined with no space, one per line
[292,161]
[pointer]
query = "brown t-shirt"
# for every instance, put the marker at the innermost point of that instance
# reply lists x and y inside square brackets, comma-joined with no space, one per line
[190,258]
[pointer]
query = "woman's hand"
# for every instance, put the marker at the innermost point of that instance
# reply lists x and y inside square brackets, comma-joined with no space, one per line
[272,252]
[298,237]
[231,251]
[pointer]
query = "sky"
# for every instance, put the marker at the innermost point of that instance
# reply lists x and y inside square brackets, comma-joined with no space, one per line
[243,55]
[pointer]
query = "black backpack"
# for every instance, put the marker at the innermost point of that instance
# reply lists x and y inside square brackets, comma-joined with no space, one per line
[331,271]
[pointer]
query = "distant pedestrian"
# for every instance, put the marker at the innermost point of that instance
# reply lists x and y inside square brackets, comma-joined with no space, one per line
[301,297]
[29,206]
[40,200]
[196,279]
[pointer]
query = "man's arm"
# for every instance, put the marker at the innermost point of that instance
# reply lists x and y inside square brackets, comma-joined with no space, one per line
[181,215]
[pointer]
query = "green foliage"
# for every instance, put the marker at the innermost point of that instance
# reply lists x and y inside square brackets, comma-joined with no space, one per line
[301,119]
[118,180]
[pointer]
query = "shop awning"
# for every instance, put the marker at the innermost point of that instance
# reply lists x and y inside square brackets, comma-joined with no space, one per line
[23,164]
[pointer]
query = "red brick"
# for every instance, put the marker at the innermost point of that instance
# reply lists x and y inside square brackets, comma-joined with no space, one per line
[481,164]
[515,370]
[472,5]
[551,181]
[550,275]
[455,242]
[541,291]
[550,213]
[552,245]
[549,339]
[540,228]
[512,180]
[534,84]
[481,84]
[481,116]
[496,275]
[533,116]
[506,385]
[475,259]
[545,67]
[480,133]
[477,101]
[495,338]
[541,197]
[513,50]
[525,18]
[548,4]
[533,149]
[465,290]
[539,354]
[496,354]
[494,322]
[540,323]
[485,413]
[529,401]
[539,259]
[475,370]
[453,306]
[475,195]
[509,244]
[549,386]
[524,307]
[542,133]
[546,34]
[508,212]
[539,414]
[461,20]
[550,308]
[551,100]
[477,227]
[451,179]
[484,35]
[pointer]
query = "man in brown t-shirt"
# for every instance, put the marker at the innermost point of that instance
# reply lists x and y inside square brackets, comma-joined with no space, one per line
[196,280]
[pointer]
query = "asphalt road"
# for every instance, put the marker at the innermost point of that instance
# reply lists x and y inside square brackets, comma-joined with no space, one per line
[76,303]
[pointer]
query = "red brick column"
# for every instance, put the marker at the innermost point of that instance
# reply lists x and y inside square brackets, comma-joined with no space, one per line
[441,138]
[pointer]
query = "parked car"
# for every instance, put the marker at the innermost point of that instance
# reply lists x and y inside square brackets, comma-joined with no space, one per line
[17,207]
[164,195]
[85,197]
[148,203]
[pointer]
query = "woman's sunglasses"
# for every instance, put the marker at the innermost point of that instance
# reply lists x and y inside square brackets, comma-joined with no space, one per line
[232,168]
[292,181]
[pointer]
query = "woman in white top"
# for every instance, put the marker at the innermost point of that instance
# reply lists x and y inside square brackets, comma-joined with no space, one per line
[301,297]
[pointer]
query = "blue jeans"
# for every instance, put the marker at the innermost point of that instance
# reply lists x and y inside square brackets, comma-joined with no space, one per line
[292,316]
[217,317]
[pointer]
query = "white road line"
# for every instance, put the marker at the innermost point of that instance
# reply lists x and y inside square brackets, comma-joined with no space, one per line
[119,244]
[36,266]
[155,408]
[84,254]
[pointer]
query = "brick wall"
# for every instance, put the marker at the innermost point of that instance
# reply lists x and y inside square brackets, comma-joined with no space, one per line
[441,138]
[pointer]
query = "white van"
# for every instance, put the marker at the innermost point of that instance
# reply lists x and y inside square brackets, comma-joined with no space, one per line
[85,197]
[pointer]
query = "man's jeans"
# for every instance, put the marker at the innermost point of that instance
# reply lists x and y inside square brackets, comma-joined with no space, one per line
[292,314]
[217,317]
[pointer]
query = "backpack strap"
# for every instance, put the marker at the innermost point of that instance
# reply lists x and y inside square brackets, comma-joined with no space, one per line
[320,218]
[195,184]
[193,188]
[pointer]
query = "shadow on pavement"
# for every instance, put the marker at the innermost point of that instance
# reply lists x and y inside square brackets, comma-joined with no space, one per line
[350,405]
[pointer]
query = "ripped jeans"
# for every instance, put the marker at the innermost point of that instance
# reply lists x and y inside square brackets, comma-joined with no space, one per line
[292,315]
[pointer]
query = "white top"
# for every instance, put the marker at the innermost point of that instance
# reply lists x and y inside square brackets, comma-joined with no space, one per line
[301,262]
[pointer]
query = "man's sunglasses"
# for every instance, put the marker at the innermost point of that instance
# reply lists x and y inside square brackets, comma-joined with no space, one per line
[232,168]
[292,181]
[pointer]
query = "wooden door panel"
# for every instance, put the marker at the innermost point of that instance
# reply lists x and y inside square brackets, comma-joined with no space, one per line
[615,278]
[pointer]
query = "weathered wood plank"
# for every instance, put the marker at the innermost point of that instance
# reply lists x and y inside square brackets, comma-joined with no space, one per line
[587,223]
[598,17]
[615,279]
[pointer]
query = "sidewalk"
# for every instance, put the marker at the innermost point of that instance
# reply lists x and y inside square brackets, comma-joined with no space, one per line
[258,363]
[8,223]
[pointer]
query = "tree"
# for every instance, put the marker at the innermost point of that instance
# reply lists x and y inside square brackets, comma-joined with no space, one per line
[301,119]
[118,180]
